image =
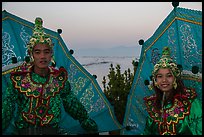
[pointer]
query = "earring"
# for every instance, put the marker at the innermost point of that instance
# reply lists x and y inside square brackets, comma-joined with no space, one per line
[53,62]
[31,58]
[175,84]
[156,84]
[150,87]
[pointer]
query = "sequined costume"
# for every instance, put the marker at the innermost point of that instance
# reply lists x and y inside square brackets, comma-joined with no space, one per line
[183,116]
[39,98]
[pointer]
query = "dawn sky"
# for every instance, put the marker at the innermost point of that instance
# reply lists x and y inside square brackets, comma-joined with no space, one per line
[98,24]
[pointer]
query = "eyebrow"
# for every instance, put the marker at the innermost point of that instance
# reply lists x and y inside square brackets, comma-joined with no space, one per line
[165,74]
[42,50]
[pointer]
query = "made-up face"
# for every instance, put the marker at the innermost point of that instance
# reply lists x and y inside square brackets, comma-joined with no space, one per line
[165,79]
[42,55]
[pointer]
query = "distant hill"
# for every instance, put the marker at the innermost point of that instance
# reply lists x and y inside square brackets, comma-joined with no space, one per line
[115,51]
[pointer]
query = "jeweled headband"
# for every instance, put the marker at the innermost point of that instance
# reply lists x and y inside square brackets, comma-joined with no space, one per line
[38,37]
[166,62]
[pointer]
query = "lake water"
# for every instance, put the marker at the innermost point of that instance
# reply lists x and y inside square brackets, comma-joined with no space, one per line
[99,65]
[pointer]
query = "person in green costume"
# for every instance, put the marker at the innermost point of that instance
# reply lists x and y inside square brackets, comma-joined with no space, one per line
[173,109]
[39,89]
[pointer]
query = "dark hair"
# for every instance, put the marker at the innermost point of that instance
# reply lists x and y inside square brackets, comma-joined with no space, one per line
[159,93]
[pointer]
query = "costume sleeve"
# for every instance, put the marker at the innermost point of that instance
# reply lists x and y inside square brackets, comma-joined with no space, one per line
[150,127]
[8,106]
[195,117]
[75,108]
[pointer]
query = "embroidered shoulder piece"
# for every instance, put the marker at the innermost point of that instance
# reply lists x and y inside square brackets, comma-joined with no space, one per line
[150,103]
[23,81]
[169,117]
[189,93]
[39,90]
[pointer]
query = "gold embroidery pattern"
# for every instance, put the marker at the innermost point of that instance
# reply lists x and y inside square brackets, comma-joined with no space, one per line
[39,94]
[171,116]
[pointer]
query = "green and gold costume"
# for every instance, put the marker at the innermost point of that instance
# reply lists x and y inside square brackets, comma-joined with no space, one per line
[39,100]
[183,116]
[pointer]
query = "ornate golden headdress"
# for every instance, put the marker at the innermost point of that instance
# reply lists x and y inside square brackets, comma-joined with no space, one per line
[39,36]
[166,62]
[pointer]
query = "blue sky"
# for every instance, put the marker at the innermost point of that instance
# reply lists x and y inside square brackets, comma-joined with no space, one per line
[98,24]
